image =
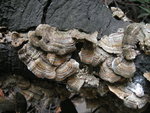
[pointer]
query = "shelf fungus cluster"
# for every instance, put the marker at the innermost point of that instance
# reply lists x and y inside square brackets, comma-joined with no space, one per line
[49,54]
[132,96]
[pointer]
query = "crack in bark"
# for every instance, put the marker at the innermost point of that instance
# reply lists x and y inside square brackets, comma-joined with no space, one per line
[43,19]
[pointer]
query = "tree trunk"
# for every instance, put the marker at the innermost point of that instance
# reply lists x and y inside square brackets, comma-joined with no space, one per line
[85,15]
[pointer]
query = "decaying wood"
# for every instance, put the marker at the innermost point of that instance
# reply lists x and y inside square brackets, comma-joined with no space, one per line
[79,76]
[93,59]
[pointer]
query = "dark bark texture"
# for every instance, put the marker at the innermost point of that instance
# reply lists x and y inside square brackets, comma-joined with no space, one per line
[86,15]
[8,59]
[10,63]
[21,14]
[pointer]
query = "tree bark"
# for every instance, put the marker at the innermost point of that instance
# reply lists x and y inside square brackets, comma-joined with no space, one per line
[84,15]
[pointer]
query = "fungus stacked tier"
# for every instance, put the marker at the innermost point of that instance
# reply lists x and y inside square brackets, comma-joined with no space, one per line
[48,53]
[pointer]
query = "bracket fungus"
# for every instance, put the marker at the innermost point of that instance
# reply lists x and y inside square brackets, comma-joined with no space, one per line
[49,54]
[67,69]
[128,97]
[50,40]
[135,35]
[147,75]
[106,73]
[92,55]
[123,68]
[112,43]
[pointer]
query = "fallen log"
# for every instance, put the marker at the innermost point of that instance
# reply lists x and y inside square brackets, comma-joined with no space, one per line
[82,53]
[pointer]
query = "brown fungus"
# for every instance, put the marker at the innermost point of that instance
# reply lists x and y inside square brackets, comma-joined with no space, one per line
[112,43]
[67,69]
[123,68]
[49,39]
[106,73]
